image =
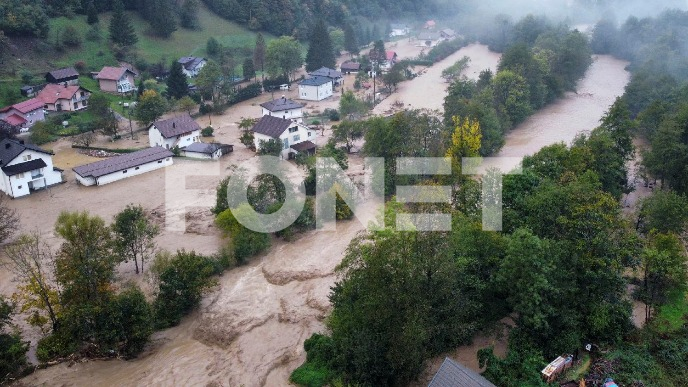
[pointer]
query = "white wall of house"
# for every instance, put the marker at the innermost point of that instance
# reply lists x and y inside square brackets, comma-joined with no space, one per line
[119,175]
[315,93]
[203,156]
[20,185]
[291,136]
[194,71]
[155,138]
[291,114]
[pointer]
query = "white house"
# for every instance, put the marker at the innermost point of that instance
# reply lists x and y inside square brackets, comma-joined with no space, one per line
[123,166]
[334,75]
[179,131]
[295,137]
[283,107]
[24,114]
[315,88]
[192,65]
[429,39]
[399,30]
[206,151]
[26,168]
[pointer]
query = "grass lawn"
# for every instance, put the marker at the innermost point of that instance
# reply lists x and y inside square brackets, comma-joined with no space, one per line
[150,48]
[672,315]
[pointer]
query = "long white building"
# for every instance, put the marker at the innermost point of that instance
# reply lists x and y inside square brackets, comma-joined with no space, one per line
[120,167]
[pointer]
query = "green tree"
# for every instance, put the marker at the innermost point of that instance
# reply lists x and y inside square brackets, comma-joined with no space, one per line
[121,30]
[350,43]
[259,54]
[247,137]
[283,56]
[177,84]
[162,18]
[186,104]
[85,263]
[92,13]
[188,14]
[271,147]
[249,69]
[664,211]
[150,107]
[12,348]
[134,235]
[134,323]
[350,106]
[347,133]
[511,96]
[337,39]
[243,242]
[9,221]
[104,117]
[209,78]
[182,279]
[212,47]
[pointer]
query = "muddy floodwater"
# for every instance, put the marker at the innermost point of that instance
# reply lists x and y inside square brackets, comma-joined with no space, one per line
[250,329]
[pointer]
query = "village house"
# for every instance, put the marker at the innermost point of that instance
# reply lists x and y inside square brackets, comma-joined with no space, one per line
[284,108]
[26,168]
[350,67]
[334,75]
[453,374]
[390,60]
[399,30]
[294,137]
[429,39]
[447,34]
[116,80]
[30,91]
[65,76]
[206,151]
[59,98]
[179,131]
[315,88]
[120,167]
[192,65]
[24,114]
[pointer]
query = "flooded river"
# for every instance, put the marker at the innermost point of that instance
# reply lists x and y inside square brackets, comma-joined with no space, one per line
[250,330]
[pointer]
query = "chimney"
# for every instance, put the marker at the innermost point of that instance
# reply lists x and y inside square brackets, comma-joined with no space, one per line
[21,142]
[8,145]
[174,125]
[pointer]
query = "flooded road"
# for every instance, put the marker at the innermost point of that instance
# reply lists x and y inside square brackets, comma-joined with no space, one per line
[250,330]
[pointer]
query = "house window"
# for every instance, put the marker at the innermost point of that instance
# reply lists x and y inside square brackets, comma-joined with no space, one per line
[297,138]
[124,171]
[309,134]
[294,129]
[159,161]
[136,169]
[285,143]
[19,187]
[20,176]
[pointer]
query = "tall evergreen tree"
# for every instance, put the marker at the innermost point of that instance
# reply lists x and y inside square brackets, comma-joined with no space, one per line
[259,55]
[350,43]
[249,69]
[92,13]
[320,52]
[177,85]
[162,18]
[121,30]
[188,14]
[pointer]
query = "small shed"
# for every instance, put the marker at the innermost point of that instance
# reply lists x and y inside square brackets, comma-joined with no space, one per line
[453,374]
[207,151]
[556,367]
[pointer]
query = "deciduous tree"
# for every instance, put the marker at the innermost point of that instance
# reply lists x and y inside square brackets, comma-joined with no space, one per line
[150,107]
[134,235]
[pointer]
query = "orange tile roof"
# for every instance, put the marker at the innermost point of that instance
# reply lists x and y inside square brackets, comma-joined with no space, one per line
[51,93]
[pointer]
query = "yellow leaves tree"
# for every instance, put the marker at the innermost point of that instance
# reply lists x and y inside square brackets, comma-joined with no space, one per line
[465,142]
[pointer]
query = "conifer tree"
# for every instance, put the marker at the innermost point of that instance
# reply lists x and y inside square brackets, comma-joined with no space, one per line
[121,30]
[177,85]
[249,69]
[350,43]
[320,52]
[259,55]
[163,18]
[188,14]
[92,13]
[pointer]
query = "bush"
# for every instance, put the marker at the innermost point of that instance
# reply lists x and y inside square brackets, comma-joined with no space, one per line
[205,108]
[274,83]
[207,131]
[446,48]
[182,279]
[244,243]
[71,37]
[136,322]
[315,372]
[54,347]
[332,114]
[248,92]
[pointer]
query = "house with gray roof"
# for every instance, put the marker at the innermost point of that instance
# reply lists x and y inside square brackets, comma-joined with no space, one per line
[294,136]
[120,167]
[315,88]
[397,29]
[178,131]
[428,39]
[192,65]
[25,168]
[206,151]
[65,76]
[283,107]
[334,75]
[453,374]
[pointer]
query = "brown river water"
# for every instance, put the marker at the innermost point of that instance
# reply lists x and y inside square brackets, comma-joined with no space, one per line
[250,329]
